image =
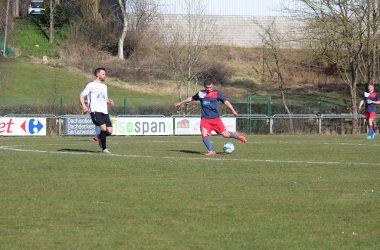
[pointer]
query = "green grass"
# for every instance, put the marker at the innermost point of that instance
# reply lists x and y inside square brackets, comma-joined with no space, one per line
[35,84]
[275,192]
[30,39]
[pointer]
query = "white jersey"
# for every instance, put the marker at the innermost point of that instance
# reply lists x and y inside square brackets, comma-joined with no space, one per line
[97,97]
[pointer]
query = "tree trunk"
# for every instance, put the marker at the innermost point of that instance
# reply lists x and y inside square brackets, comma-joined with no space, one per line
[123,35]
[51,35]
[283,97]
[353,86]
[90,10]
[282,89]
[16,8]
[354,107]
[6,29]
[121,41]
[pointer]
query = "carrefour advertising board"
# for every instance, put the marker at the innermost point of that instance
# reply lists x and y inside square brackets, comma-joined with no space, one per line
[143,126]
[190,125]
[12,126]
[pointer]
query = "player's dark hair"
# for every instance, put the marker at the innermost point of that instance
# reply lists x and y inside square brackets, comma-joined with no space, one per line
[208,82]
[371,83]
[97,70]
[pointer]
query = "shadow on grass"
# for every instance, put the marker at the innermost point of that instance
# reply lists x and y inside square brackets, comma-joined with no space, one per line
[188,152]
[77,150]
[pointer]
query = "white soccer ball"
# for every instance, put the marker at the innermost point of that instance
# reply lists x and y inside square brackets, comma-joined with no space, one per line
[228,147]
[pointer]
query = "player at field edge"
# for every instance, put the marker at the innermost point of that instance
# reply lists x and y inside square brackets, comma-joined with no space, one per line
[97,104]
[210,117]
[370,99]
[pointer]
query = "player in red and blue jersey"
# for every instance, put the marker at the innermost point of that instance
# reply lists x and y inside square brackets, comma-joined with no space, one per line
[370,100]
[210,117]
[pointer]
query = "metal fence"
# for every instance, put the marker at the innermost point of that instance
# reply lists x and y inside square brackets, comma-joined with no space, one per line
[248,124]
[302,123]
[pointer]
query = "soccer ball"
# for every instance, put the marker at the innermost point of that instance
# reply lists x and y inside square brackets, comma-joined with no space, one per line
[228,147]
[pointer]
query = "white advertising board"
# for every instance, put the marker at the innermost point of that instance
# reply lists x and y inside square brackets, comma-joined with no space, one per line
[18,126]
[143,126]
[190,125]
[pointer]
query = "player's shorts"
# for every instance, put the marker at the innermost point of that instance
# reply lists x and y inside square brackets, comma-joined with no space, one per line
[211,124]
[99,119]
[370,115]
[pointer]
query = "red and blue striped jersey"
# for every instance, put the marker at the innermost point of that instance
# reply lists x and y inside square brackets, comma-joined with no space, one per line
[209,103]
[370,96]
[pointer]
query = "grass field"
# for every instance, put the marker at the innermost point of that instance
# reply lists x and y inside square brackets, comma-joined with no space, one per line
[35,84]
[275,192]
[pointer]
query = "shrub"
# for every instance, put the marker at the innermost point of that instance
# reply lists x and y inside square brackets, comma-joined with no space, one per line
[216,72]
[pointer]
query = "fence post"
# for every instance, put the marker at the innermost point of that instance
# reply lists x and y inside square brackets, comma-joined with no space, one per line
[61,106]
[271,125]
[125,106]
[320,104]
[320,124]
[59,126]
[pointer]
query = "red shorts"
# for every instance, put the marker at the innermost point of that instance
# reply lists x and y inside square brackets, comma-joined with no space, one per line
[215,124]
[370,115]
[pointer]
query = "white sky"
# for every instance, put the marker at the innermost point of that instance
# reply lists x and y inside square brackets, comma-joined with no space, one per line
[230,7]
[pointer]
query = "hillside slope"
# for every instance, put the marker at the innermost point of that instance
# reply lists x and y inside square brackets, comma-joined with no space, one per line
[35,84]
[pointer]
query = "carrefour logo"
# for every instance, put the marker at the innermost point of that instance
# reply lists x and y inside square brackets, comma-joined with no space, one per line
[22,126]
[32,126]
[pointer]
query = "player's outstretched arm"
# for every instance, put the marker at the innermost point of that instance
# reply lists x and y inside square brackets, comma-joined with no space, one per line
[179,104]
[229,105]
[360,105]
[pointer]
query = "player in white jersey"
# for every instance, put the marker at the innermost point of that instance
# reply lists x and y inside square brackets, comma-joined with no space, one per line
[97,100]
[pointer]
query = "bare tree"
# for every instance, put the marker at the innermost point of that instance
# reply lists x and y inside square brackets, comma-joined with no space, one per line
[187,40]
[273,59]
[344,33]
[136,15]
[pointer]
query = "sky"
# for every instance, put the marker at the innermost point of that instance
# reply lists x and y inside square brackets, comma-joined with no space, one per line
[230,7]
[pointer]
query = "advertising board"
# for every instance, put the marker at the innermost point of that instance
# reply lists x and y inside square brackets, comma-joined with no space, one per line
[143,126]
[190,125]
[79,125]
[22,126]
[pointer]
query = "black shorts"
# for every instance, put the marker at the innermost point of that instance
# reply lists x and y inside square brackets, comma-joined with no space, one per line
[99,118]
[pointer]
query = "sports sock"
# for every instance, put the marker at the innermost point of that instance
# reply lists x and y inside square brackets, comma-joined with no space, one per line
[233,134]
[108,133]
[370,130]
[103,139]
[208,143]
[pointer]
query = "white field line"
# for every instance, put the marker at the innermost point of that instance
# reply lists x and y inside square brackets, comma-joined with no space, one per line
[205,158]
[70,152]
